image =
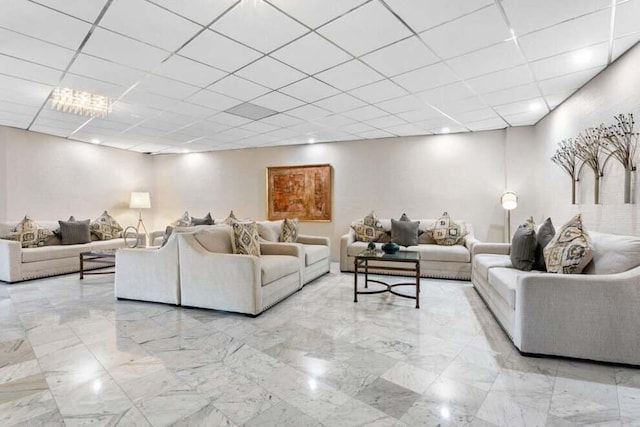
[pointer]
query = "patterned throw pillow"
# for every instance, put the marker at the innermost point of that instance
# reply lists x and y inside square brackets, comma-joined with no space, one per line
[230,219]
[447,232]
[29,233]
[183,221]
[369,229]
[207,220]
[246,239]
[289,232]
[570,250]
[105,227]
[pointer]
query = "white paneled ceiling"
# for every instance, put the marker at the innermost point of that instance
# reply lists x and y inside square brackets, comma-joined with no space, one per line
[322,70]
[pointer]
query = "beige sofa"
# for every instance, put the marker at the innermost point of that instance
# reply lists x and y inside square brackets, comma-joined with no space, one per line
[442,262]
[593,315]
[18,263]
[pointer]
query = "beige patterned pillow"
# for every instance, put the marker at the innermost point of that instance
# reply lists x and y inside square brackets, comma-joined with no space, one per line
[369,229]
[183,221]
[570,250]
[105,227]
[446,231]
[29,233]
[230,219]
[289,232]
[246,240]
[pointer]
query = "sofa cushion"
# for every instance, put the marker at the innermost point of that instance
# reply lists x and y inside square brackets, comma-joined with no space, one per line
[504,280]
[456,253]
[482,263]
[274,267]
[270,230]
[216,239]
[52,252]
[404,232]
[543,237]
[105,244]
[289,232]
[246,240]
[523,246]
[74,232]
[613,253]
[315,253]
[570,250]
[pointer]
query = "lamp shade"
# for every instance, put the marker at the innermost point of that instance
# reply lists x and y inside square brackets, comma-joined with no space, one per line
[140,200]
[509,200]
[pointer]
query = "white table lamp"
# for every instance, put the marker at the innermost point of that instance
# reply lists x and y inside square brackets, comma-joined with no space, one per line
[509,202]
[140,200]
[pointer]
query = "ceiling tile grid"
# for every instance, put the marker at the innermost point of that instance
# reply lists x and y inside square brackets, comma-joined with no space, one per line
[182,73]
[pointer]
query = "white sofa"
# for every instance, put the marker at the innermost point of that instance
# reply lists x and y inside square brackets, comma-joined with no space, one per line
[437,261]
[18,263]
[594,315]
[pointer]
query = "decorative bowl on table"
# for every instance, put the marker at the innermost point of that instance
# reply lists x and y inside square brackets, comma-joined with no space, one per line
[390,248]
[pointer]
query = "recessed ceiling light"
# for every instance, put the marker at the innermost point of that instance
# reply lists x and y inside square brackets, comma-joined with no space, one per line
[311,140]
[582,56]
[445,130]
[535,106]
[95,141]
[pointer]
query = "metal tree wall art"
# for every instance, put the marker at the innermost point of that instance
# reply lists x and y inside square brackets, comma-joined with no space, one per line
[621,142]
[565,157]
[589,148]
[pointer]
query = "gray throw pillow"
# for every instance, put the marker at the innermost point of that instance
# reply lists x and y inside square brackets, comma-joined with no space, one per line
[543,237]
[523,248]
[404,233]
[207,220]
[74,232]
[167,233]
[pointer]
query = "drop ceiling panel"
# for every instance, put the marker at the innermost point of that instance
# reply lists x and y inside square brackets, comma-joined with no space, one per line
[349,76]
[571,35]
[147,22]
[385,122]
[405,55]
[34,50]
[29,71]
[379,91]
[311,54]
[340,103]
[422,15]
[277,101]
[83,9]
[193,110]
[513,94]
[310,90]
[495,58]
[623,44]
[503,79]
[476,115]
[107,71]
[167,87]
[270,73]
[213,100]
[417,116]
[22,91]
[426,78]
[365,29]
[201,11]
[18,108]
[309,112]
[43,23]
[406,130]
[627,21]
[468,33]
[146,99]
[260,26]
[238,88]
[92,85]
[571,62]
[401,104]
[488,124]
[568,82]
[451,92]
[123,50]
[462,105]
[189,71]
[521,107]
[219,51]
[367,112]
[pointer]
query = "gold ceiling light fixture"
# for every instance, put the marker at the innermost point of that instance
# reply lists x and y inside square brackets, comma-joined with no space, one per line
[80,102]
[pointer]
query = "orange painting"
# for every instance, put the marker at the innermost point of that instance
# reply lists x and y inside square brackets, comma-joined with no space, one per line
[302,192]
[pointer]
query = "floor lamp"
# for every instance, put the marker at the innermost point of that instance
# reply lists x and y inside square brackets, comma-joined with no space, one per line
[509,201]
[140,200]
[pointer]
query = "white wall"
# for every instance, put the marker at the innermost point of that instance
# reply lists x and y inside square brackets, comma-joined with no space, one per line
[423,176]
[51,178]
[616,90]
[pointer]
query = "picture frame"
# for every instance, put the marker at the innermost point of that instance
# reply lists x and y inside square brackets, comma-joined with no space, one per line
[300,191]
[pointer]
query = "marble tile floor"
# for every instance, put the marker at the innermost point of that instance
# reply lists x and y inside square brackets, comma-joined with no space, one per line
[70,354]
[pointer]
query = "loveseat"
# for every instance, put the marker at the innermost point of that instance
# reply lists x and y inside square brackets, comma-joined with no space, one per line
[437,261]
[18,263]
[594,315]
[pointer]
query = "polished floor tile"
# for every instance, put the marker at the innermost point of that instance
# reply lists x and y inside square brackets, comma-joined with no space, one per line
[70,354]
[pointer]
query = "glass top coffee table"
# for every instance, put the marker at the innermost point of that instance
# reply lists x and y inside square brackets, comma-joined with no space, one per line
[371,260]
[104,256]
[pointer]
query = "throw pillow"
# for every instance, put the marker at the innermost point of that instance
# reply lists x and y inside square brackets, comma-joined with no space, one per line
[207,220]
[523,246]
[29,233]
[270,230]
[183,221]
[75,232]
[543,237]
[404,232]
[106,227]
[230,219]
[570,250]
[289,230]
[57,230]
[246,240]
[369,230]
[447,232]
[613,253]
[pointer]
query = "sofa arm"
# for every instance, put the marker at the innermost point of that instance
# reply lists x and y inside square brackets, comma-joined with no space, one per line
[584,316]
[273,248]
[313,240]
[10,260]
[470,242]
[156,237]
[490,248]
[345,241]
[218,281]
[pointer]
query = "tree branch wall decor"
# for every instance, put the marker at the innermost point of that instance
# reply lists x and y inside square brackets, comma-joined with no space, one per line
[589,148]
[621,142]
[565,157]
